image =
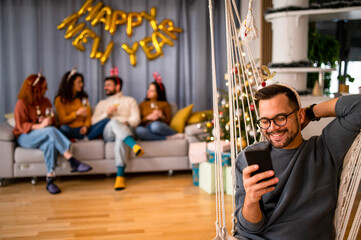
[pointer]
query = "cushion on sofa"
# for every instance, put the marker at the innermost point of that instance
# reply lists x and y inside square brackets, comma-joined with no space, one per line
[28,155]
[200,116]
[88,150]
[6,132]
[179,120]
[164,148]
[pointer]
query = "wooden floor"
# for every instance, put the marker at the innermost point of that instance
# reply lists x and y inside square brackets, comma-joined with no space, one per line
[153,206]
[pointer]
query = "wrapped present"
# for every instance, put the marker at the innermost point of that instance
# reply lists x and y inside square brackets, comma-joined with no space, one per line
[226,157]
[224,146]
[197,152]
[195,174]
[229,183]
[207,179]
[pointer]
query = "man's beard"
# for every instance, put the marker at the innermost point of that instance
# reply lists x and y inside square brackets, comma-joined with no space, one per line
[290,137]
[110,93]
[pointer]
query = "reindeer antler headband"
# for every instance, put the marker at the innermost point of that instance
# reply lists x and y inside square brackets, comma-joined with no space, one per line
[72,72]
[158,80]
[37,79]
[268,80]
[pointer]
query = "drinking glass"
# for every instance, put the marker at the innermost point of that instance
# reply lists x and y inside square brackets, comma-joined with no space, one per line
[84,101]
[49,112]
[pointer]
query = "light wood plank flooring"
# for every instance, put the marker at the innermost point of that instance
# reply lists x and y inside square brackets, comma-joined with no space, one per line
[153,206]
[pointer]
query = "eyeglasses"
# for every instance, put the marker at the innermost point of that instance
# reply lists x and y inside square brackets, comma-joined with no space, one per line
[279,120]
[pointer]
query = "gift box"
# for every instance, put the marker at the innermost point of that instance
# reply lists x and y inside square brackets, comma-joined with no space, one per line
[207,177]
[197,152]
[195,174]
[226,157]
[229,180]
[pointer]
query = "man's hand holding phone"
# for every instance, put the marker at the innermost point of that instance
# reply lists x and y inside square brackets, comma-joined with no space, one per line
[255,186]
[258,179]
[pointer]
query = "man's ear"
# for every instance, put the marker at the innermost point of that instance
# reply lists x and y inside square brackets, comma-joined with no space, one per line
[117,87]
[301,115]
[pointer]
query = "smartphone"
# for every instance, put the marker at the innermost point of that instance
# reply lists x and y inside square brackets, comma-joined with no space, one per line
[261,157]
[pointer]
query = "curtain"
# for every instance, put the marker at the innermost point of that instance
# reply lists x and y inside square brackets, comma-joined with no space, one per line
[30,42]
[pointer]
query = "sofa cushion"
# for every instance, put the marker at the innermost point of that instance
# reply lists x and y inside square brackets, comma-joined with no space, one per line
[180,118]
[164,148]
[200,116]
[6,132]
[88,150]
[28,155]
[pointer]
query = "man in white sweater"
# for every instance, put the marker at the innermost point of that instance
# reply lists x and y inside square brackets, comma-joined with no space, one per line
[124,114]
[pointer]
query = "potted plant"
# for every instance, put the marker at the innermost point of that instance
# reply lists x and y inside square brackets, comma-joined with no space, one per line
[342,87]
[322,50]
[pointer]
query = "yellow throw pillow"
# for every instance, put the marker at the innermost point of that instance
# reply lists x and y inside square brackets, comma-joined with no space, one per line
[179,120]
[201,116]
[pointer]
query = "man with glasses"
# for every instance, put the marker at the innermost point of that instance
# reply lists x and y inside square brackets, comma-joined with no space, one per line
[307,172]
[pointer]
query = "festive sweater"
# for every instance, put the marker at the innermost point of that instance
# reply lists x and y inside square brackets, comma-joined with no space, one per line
[303,204]
[25,115]
[127,110]
[147,107]
[66,112]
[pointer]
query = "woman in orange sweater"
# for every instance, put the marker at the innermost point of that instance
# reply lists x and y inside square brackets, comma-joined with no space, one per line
[73,109]
[156,114]
[34,129]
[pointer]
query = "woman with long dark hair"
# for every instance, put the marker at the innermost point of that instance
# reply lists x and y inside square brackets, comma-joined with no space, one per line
[73,109]
[156,114]
[34,128]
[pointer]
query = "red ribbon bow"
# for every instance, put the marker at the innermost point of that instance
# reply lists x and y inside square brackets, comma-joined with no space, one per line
[158,80]
[114,71]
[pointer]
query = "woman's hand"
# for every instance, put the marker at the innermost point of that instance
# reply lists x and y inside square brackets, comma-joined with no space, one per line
[46,121]
[158,113]
[153,116]
[81,112]
[83,130]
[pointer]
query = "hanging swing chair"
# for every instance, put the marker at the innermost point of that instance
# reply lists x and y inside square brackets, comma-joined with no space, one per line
[244,78]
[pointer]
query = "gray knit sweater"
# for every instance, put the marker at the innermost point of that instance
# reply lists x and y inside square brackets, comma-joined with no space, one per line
[303,204]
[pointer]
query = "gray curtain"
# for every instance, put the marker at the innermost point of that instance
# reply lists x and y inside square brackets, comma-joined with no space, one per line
[30,41]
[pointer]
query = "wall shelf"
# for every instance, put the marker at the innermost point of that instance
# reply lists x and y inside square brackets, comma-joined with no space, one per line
[302,70]
[329,14]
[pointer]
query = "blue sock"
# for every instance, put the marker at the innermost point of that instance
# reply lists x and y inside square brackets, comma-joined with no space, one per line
[129,141]
[120,171]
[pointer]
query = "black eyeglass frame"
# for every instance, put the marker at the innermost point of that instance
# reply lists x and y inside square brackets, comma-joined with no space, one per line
[273,119]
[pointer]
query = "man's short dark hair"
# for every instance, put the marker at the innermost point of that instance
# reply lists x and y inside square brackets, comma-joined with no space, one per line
[116,80]
[274,90]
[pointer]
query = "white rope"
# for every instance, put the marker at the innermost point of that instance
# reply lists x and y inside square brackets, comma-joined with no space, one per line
[218,174]
[349,183]
[238,77]
[356,224]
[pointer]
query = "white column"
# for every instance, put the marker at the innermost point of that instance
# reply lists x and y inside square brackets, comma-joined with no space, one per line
[290,42]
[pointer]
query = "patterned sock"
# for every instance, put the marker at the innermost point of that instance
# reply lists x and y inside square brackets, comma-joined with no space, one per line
[120,171]
[129,141]
[138,150]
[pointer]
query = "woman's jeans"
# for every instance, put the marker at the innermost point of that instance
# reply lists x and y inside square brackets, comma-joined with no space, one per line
[49,140]
[154,131]
[94,131]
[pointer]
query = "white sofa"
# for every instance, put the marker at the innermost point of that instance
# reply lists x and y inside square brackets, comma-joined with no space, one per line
[167,155]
